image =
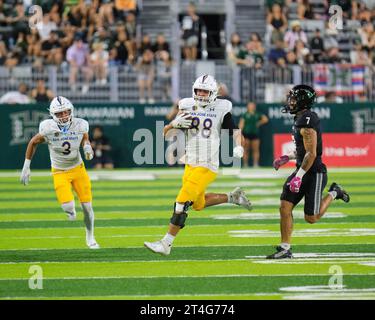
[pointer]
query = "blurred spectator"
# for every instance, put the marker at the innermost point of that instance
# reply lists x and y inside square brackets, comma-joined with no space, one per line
[271,3]
[160,45]
[45,27]
[330,97]
[276,53]
[367,35]
[102,147]
[294,34]
[333,56]
[146,73]
[123,7]
[276,24]
[190,32]
[233,48]
[359,55]
[41,93]
[317,45]
[164,74]
[250,123]
[291,58]
[301,52]
[121,54]
[106,17]
[131,33]
[33,45]
[16,97]
[304,10]
[223,92]
[79,58]
[3,52]
[145,44]
[252,54]
[52,49]
[99,63]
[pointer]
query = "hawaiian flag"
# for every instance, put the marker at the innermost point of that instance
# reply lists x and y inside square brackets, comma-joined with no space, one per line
[344,79]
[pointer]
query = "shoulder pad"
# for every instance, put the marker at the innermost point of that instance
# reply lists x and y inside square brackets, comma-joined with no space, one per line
[46,127]
[307,120]
[82,125]
[186,103]
[224,105]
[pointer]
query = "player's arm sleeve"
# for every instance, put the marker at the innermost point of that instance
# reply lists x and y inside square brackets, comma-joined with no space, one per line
[228,123]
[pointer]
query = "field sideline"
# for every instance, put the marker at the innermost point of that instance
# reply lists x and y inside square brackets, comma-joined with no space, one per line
[219,254]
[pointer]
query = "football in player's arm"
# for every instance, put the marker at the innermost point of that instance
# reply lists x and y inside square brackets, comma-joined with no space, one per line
[310,177]
[65,134]
[202,118]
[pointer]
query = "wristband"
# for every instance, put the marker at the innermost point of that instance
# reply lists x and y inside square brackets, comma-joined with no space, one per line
[300,173]
[27,163]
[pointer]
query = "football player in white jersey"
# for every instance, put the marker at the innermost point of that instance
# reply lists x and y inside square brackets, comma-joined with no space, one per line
[202,117]
[65,134]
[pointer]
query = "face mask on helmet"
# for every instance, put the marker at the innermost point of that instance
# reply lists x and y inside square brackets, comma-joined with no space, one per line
[61,110]
[301,97]
[205,90]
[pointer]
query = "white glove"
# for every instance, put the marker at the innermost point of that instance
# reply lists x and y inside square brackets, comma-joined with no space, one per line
[182,121]
[25,175]
[89,153]
[238,152]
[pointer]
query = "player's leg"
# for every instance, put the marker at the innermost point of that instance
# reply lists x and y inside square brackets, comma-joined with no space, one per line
[321,205]
[315,206]
[82,186]
[288,201]
[255,145]
[62,185]
[237,196]
[195,181]
[246,153]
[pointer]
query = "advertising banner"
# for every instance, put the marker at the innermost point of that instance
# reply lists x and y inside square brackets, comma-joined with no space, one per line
[339,149]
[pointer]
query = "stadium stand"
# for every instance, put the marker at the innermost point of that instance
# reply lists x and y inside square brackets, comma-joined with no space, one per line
[116,28]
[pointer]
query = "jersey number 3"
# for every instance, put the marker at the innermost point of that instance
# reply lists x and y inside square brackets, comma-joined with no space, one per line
[67,146]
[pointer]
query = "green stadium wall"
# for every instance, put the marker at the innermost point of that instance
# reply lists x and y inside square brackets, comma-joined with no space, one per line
[119,121]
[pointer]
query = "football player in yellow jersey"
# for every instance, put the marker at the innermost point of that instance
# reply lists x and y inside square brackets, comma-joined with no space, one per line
[65,134]
[202,117]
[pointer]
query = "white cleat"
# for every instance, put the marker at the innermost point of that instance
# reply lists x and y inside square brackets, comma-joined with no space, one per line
[160,247]
[71,217]
[239,198]
[93,245]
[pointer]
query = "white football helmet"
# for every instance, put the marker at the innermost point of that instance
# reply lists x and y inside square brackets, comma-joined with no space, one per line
[208,83]
[60,104]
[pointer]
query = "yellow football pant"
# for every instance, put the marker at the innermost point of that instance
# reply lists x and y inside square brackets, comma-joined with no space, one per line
[77,178]
[194,184]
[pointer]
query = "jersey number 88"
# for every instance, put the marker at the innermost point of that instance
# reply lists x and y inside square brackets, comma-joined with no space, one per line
[206,130]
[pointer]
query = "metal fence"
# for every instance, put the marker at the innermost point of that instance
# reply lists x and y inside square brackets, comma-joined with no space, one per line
[244,84]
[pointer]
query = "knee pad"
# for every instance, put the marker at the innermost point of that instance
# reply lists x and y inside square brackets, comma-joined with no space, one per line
[178,219]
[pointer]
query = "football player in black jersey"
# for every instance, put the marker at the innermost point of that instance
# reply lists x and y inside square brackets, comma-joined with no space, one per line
[310,177]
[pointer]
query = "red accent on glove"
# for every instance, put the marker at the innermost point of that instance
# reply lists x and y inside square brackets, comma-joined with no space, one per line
[280,161]
[295,184]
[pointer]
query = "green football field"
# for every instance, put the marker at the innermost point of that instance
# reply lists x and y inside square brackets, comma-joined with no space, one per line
[220,254]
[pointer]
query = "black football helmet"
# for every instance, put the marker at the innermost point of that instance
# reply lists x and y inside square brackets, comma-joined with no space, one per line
[300,97]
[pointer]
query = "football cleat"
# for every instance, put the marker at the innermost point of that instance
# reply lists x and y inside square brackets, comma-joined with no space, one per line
[341,193]
[281,254]
[239,198]
[160,247]
[71,216]
[93,245]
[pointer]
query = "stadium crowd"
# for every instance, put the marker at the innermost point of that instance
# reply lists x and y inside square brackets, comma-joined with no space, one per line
[86,37]
[286,43]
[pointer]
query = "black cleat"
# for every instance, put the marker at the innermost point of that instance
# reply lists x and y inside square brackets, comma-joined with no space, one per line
[281,254]
[341,193]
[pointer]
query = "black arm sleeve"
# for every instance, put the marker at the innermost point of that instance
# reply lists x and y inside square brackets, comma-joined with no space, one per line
[228,123]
